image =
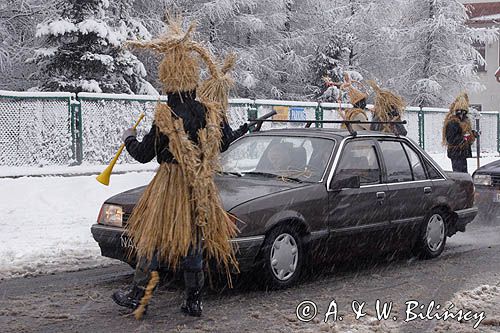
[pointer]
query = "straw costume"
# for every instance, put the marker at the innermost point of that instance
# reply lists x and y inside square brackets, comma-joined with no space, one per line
[458,135]
[358,101]
[181,206]
[388,107]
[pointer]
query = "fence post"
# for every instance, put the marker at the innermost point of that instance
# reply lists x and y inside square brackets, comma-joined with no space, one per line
[252,112]
[421,128]
[498,131]
[319,115]
[76,131]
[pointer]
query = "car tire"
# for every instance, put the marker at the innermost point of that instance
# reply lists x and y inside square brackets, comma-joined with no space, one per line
[283,257]
[432,238]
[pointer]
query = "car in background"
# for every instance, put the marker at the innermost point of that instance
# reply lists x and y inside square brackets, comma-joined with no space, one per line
[487,183]
[300,195]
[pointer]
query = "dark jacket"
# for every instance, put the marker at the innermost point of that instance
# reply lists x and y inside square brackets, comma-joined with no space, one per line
[192,113]
[457,146]
[397,129]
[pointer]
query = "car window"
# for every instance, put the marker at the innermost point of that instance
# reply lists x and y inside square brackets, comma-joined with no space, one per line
[360,159]
[300,157]
[396,162]
[431,171]
[416,163]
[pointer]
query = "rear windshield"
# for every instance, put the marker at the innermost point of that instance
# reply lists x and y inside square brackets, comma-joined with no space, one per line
[299,157]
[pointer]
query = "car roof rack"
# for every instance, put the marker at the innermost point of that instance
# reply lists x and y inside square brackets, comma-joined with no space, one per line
[258,122]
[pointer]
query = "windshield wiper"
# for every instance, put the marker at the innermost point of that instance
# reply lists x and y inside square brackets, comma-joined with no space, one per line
[272,175]
[234,173]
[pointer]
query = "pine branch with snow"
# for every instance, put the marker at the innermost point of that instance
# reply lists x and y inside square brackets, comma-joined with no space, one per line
[81,49]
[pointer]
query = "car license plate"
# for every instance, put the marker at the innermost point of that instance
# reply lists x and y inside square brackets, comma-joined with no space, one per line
[496,198]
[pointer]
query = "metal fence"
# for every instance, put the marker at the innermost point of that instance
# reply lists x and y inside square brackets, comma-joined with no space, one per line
[40,129]
[35,129]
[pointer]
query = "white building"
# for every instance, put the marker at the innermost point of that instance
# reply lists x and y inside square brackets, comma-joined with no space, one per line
[484,13]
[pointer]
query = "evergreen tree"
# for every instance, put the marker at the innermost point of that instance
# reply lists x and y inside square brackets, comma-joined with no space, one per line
[83,49]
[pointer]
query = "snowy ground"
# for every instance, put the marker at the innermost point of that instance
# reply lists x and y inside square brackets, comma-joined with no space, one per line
[45,221]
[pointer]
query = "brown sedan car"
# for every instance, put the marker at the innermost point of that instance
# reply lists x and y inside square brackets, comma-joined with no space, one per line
[304,193]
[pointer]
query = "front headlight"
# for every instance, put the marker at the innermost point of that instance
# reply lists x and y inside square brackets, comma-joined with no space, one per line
[482,180]
[111,215]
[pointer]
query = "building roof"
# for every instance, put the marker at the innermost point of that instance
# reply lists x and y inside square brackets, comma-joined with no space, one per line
[484,12]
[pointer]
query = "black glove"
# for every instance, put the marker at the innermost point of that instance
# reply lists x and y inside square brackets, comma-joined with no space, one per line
[127,133]
[242,130]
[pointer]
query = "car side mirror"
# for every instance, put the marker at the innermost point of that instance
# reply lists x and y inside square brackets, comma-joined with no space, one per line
[345,182]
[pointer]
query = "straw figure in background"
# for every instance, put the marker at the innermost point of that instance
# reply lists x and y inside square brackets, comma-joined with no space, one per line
[388,107]
[356,97]
[458,135]
[181,206]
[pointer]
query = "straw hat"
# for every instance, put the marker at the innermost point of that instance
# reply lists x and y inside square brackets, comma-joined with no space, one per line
[354,94]
[460,103]
[386,100]
[179,69]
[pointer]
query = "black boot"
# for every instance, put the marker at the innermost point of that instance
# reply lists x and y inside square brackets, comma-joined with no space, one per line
[130,297]
[192,305]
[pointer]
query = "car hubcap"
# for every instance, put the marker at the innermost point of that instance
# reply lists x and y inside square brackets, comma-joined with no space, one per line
[284,257]
[435,232]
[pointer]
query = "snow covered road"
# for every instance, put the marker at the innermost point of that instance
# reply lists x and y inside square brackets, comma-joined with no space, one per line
[467,274]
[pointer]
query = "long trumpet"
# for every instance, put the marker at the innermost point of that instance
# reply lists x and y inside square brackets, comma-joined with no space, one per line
[103,178]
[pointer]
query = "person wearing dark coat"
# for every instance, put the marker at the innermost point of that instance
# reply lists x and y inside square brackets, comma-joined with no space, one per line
[458,135]
[192,112]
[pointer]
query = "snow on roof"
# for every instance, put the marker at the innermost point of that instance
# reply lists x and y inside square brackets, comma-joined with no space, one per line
[494,17]
[41,94]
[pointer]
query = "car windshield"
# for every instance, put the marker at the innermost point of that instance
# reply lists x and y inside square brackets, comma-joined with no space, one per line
[299,158]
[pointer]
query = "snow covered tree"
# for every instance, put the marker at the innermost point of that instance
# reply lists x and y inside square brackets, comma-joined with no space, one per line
[18,19]
[82,49]
[436,56]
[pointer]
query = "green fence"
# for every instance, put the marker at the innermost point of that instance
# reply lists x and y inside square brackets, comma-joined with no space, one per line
[40,129]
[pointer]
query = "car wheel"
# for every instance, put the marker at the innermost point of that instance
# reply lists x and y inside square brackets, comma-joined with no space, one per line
[283,257]
[432,237]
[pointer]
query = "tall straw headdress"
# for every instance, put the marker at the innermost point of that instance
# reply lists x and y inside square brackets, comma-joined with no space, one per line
[354,94]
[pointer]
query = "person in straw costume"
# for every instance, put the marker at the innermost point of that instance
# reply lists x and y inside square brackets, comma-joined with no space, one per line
[181,206]
[458,135]
[388,107]
[357,99]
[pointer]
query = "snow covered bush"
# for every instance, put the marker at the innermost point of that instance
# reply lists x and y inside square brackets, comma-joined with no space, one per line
[81,49]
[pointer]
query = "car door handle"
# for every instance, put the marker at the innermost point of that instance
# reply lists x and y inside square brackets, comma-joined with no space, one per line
[427,189]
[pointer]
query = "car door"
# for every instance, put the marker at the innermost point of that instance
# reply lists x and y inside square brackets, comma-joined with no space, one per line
[357,215]
[409,194]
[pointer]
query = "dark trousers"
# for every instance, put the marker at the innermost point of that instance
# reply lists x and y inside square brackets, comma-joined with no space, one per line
[459,164]
[192,265]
